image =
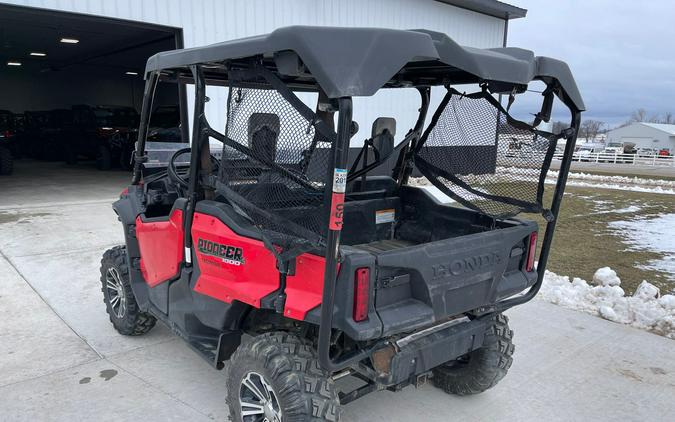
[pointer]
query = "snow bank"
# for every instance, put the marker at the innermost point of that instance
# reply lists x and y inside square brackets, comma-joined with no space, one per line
[646,309]
[606,276]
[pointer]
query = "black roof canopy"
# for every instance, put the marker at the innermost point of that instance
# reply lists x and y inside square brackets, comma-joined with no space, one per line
[360,61]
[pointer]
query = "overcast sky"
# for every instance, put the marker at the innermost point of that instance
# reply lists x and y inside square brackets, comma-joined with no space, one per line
[622,53]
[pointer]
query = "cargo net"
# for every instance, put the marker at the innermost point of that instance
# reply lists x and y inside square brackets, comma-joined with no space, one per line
[474,152]
[274,164]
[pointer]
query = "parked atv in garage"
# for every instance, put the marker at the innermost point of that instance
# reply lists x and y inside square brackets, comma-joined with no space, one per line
[332,272]
[104,133]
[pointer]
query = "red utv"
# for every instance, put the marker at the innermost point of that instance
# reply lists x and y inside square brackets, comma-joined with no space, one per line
[332,272]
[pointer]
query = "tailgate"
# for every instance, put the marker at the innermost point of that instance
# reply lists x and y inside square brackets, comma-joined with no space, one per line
[421,284]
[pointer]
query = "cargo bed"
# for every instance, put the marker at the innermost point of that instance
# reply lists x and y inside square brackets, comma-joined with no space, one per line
[433,261]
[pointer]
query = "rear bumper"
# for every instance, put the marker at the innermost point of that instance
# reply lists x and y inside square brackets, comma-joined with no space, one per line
[402,361]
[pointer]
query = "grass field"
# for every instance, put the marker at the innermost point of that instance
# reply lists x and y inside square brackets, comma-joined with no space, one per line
[584,241]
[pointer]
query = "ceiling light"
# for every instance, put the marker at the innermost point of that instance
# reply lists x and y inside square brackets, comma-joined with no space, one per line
[13,63]
[69,40]
[131,73]
[38,54]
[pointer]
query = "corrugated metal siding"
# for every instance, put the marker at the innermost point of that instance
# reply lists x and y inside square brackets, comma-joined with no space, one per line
[210,21]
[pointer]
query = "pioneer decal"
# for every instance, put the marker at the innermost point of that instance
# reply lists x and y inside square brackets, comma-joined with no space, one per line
[228,254]
[466,265]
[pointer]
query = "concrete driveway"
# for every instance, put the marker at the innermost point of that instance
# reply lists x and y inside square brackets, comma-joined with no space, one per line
[61,360]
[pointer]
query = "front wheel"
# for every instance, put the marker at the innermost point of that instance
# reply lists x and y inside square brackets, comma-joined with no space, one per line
[482,368]
[276,377]
[119,299]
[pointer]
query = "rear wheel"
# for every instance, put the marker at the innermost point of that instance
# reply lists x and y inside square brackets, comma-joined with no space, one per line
[6,161]
[118,297]
[276,377]
[483,368]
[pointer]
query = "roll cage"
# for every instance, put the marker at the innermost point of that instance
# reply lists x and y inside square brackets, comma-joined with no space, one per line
[304,59]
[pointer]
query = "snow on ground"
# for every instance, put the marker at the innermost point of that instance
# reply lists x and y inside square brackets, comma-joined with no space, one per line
[631,209]
[603,207]
[628,187]
[622,180]
[604,297]
[635,184]
[652,234]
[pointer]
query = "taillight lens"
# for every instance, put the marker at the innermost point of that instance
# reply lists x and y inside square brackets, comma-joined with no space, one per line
[529,265]
[361,294]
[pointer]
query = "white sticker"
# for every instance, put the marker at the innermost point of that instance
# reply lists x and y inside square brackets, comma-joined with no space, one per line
[340,181]
[385,216]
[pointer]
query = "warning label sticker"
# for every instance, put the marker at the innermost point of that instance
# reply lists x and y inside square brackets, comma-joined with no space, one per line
[385,216]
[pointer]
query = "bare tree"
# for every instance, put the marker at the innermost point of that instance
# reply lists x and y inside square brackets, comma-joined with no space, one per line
[590,128]
[639,115]
[668,118]
[654,118]
[557,126]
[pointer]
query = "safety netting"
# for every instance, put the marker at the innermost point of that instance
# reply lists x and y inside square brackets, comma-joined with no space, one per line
[476,153]
[271,170]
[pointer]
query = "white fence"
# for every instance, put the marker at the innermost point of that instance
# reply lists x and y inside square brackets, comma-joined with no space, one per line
[634,159]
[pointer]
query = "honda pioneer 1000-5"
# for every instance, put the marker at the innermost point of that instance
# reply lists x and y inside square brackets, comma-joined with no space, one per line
[331,271]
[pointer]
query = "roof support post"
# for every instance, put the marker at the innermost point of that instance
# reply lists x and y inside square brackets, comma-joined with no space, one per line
[199,137]
[146,109]
[334,194]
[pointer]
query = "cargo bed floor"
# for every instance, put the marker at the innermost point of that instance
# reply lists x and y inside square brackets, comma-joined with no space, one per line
[384,245]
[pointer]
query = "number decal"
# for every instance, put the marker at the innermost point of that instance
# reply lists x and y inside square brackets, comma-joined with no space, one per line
[336,211]
[340,180]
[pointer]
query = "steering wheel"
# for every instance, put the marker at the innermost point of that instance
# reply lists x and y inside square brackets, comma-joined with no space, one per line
[173,173]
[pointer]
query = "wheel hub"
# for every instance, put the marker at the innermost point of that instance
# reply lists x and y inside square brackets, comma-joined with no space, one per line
[257,400]
[116,294]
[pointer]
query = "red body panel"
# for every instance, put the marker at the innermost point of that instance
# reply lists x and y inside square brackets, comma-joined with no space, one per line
[256,276]
[161,245]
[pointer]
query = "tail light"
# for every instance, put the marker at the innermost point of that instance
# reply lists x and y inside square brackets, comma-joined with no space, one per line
[361,294]
[529,265]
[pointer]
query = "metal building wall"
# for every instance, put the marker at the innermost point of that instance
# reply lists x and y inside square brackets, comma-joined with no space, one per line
[208,21]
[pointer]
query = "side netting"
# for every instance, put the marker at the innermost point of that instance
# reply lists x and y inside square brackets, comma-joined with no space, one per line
[269,171]
[476,153]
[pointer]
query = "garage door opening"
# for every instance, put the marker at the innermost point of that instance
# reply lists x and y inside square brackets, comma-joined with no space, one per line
[72,93]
